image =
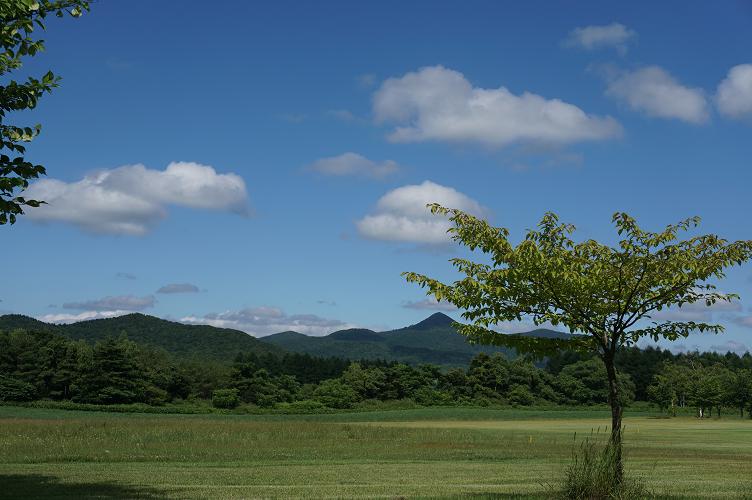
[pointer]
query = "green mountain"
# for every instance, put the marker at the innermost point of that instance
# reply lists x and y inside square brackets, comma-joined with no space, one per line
[433,340]
[185,341]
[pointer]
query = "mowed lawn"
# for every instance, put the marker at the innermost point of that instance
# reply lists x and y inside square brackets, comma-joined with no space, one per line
[473,453]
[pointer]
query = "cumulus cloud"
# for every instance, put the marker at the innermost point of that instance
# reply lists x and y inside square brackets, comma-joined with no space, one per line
[653,91]
[614,35]
[178,288]
[262,321]
[354,164]
[401,214]
[84,316]
[734,94]
[730,346]
[436,103]
[429,304]
[132,199]
[114,303]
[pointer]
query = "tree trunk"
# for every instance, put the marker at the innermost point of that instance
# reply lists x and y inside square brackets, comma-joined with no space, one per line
[616,414]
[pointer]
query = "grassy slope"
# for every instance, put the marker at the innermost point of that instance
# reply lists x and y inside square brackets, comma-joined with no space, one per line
[186,341]
[416,453]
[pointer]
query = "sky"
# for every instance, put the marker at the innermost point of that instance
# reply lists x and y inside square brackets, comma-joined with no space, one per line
[265,165]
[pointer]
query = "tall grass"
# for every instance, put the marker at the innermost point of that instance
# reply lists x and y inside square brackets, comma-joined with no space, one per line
[592,473]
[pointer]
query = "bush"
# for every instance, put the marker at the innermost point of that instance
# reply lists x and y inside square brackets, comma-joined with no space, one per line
[521,395]
[225,398]
[335,394]
[12,389]
[591,476]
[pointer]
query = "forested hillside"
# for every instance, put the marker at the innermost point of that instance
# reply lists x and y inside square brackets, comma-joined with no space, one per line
[433,341]
[47,366]
[201,342]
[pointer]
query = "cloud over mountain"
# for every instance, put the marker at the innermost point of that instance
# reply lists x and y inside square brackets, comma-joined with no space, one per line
[429,304]
[84,316]
[262,321]
[178,288]
[114,303]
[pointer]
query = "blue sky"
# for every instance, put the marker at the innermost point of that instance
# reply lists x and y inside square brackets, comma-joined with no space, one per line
[286,123]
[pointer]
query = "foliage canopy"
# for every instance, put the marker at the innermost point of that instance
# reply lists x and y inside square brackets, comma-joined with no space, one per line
[19,19]
[607,294]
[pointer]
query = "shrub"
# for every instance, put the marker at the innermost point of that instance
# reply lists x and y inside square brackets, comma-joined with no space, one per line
[12,389]
[335,394]
[225,398]
[592,476]
[521,395]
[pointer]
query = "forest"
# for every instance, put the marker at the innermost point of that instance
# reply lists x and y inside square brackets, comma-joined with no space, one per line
[45,366]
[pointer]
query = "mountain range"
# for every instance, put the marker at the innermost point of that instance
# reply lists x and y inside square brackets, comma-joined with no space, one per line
[433,340]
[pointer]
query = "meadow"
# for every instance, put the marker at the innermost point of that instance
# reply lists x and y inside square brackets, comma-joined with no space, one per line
[418,453]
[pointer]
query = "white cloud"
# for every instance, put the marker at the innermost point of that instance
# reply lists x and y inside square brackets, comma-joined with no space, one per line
[436,103]
[132,199]
[344,115]
[730,346]
[696,311]
[429,304]
[401,214]
[614,35]
[179,288]
[354,164]
[520,326]
[744,321]
[114,303]
[262,321]
[653,91]
[734,94]
[84,316]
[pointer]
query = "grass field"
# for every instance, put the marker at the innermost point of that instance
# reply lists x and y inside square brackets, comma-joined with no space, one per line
[473,453]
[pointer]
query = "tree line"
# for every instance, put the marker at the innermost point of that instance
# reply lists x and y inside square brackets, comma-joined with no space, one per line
[48,366]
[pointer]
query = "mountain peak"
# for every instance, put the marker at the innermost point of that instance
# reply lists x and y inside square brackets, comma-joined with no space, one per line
[436,320]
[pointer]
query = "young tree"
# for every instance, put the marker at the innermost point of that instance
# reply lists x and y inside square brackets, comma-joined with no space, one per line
[604,294]
[18,20]
[738,389]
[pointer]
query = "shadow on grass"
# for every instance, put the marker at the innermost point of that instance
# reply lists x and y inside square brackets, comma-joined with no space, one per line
[39,486]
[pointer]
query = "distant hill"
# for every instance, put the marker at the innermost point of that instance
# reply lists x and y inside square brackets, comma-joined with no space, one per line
[185,341]
[433,340]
